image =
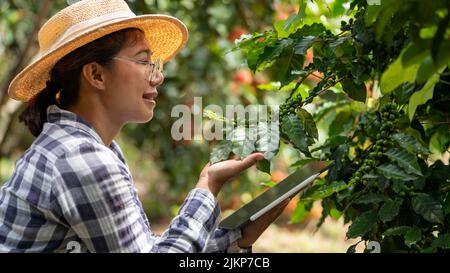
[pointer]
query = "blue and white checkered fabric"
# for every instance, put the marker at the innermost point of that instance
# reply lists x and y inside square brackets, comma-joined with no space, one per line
[68,186]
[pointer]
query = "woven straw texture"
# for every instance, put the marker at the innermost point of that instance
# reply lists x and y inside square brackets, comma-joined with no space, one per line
[165,35]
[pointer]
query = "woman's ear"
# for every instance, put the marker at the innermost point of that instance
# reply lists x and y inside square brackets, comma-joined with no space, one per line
[94,74]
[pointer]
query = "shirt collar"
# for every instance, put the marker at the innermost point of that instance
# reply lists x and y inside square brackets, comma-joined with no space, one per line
[60,116]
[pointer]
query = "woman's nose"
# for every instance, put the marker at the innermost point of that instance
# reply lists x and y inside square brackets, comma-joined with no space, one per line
[157,79]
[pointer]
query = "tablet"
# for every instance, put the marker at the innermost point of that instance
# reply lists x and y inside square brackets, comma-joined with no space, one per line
[289,187]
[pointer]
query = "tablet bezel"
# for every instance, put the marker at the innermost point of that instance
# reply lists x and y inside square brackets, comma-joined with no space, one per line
[294,190]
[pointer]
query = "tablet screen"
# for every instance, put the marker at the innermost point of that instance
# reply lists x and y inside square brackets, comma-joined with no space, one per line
[275,195]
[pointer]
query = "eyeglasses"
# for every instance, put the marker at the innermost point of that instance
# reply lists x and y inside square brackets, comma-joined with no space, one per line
[152,67]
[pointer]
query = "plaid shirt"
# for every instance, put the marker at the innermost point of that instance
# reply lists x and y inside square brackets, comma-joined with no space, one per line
[70,189]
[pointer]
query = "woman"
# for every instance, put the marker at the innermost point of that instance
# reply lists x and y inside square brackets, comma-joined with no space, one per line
[98,68]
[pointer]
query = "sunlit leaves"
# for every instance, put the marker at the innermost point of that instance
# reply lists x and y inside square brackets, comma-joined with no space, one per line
[397,74]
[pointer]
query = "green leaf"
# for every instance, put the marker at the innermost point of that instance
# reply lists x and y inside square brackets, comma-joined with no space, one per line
[263,165]
[443,241]
[286,27]
[309,30]
[440,140]
[390,209]
[422,96]
[268,139]
[335,214]
[221,151]
[413,236]
[285,65]
[294,129]
[273,53]
[214,116]
[339,41]
[405,160]
[396,231]
[268,184]
[428,207]
[415,53]
[371,198]
[447,205]
[426,69]
[363,224]
[352,248]
[410,143]
[243,144]
[301,211]
[403,92]
[308,123]
[397,74]
[355,91]
[340,122]
[302,162]
[391,171]
[331,142]
[325,191]
[361,32]
[302,45]
[370,123]
[439,36]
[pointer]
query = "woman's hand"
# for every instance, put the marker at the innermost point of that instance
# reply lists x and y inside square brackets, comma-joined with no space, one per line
[214,176]
[252,231]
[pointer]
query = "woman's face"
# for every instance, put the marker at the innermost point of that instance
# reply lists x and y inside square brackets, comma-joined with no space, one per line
[130,95]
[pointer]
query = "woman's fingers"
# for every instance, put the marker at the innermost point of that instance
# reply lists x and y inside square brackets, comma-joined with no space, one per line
[249,161]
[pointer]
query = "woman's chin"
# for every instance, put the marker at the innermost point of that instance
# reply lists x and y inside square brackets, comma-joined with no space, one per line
[144,117]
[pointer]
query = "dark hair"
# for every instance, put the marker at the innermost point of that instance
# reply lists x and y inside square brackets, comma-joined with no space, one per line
[63,88]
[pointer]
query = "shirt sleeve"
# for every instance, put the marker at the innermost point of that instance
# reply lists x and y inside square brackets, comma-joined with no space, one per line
[222,239]
[95,195]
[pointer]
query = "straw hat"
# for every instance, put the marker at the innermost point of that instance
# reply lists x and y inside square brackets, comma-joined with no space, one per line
[84,22]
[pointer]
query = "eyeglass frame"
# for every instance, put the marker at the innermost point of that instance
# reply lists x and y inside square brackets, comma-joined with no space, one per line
[151,66]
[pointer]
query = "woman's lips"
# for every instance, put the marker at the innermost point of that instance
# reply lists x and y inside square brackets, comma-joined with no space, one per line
[150,97]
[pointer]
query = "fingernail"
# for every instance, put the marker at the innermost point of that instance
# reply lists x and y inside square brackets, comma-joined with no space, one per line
[259,157]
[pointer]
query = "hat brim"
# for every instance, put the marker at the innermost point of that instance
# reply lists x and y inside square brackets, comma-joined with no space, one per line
[165,35]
